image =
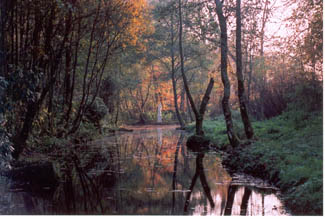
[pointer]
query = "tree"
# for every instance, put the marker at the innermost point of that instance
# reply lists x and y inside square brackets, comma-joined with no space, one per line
[241,88]
[179,117]
[233,139]
[198,114]
[197,58]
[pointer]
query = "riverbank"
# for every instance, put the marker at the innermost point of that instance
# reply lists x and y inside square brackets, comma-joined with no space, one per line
[287,152]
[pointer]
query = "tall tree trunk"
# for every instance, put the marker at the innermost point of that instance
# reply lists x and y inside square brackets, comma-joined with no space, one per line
[186,87]
[75,63]
[198,114]
[233,139]
[3,19]
[179,117]
[67,76]
[241,87]
[21,137]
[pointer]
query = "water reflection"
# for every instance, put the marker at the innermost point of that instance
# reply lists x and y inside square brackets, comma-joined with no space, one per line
[179,143]
[147,172]
[199,172]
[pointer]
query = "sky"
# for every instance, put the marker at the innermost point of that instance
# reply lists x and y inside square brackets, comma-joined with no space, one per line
[276,25]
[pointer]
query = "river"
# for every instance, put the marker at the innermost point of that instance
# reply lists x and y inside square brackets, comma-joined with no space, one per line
[145,172]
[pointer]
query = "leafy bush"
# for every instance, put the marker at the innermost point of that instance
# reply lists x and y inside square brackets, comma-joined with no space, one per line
[168,116]
[5,144]
[6,148]
[3,92]
[96,111]
[51,142]
[87,131]
[23,85]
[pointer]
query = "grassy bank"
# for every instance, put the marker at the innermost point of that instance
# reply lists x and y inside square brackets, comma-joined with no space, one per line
[288,152]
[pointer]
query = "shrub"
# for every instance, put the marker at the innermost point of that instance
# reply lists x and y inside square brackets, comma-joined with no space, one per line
[6,146]
[96,111]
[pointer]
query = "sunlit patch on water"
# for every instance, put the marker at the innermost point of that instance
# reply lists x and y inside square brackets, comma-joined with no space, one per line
[149,172]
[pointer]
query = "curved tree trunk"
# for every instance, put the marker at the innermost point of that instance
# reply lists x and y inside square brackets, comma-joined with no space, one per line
[233,139]
[241,89]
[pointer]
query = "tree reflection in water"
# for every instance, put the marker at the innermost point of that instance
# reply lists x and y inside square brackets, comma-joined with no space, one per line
[179,143]
[230,199]
[199,172]
[244,203]
[78,193]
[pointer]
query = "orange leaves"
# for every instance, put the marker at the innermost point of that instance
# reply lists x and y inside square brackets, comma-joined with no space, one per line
[138,22]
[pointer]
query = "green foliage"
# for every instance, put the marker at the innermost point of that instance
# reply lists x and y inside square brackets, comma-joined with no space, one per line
[97,110]
[23,85]
[87,131]
[6,146]
[49,143]
[3,93]
[168,116]
[17,89]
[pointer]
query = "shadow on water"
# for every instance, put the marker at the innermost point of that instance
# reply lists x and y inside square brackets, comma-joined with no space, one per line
[147,172]
[79,193]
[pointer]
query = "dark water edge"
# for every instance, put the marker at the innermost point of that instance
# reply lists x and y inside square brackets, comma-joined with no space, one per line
[146,172]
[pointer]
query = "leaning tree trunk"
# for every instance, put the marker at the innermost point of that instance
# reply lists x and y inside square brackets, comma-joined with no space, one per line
[241,89]
[179,117]
[198,114]
[233,139]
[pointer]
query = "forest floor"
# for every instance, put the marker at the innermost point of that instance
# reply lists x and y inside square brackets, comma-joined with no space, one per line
[287,151]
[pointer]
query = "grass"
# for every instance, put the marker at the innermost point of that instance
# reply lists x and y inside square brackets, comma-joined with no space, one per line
[288,152]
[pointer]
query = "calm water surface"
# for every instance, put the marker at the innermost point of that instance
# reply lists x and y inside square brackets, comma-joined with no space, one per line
[146,172]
